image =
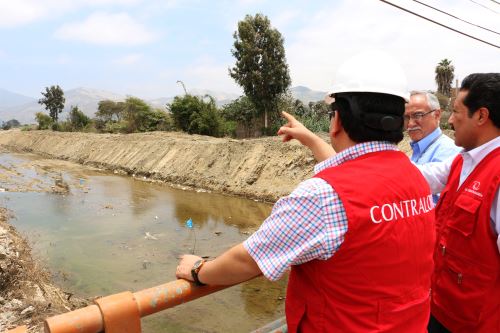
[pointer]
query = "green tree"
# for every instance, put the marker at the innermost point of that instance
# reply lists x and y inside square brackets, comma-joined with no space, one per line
[77,119]
[182,107]
[261,68]
[162,120]
[196,115]
[206,121]
[137,115]
[316,117]
[445,72]
[53,99]
[242,111]
[44,121]
[13,123]
[108,110]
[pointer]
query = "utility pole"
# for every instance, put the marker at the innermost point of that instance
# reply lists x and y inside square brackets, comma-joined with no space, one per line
[183,86]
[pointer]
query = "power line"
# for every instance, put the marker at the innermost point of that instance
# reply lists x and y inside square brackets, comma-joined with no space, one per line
[498,3]
[455,17]
[480,4]
[444,26]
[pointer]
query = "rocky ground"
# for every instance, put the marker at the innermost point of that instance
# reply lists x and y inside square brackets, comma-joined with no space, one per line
[263,169]
[26,294]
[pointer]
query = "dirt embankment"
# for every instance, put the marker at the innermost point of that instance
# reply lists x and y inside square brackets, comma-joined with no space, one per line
[263,169]
[260,168]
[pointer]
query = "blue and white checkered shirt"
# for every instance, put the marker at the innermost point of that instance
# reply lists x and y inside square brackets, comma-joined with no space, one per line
[308,224]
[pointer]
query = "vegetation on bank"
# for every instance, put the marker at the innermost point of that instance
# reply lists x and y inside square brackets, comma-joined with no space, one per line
[260,69]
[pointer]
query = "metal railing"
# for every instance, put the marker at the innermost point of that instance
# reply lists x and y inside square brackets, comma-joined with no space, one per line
[121,313]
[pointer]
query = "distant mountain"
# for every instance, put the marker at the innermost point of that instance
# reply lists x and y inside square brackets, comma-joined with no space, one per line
[307,95]
[24,113]
[160,102]
[23,108]
[86,99]
[9,98]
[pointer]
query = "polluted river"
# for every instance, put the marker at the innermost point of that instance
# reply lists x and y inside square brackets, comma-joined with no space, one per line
[100,233]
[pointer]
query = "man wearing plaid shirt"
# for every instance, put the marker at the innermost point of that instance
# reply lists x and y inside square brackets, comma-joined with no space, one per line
[359,236]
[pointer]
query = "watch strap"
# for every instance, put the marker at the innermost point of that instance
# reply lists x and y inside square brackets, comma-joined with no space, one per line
[195,271]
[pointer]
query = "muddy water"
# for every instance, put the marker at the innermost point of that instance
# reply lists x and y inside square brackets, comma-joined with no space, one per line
[113,233]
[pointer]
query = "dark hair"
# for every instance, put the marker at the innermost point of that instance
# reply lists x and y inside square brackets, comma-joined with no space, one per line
[483,91]
[359,110]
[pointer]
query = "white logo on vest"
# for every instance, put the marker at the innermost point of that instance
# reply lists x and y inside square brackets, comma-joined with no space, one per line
[400,210]
[475,185]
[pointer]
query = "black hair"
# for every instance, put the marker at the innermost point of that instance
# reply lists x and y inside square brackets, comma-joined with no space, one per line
[371,116]
[483,91]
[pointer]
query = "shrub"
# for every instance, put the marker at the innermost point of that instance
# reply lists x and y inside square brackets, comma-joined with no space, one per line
[77,120]
[44,121]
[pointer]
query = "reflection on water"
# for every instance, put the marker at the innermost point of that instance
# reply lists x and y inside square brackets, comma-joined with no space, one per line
[114,233]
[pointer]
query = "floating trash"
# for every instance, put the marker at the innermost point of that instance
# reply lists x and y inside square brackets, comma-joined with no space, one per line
[149,236]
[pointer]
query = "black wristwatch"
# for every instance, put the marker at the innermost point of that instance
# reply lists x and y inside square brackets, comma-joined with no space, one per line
[195,270]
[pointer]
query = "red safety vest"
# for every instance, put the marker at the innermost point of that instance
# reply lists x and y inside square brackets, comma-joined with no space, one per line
[466,281]
[379,279]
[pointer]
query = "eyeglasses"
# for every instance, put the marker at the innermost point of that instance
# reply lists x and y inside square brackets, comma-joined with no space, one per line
[333,108]
[417,115]
[331,114]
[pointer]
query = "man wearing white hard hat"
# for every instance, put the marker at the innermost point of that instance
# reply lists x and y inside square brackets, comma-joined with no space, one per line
[359,235]
[466,280]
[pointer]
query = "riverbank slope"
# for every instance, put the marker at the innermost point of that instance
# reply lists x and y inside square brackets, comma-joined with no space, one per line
[263,169]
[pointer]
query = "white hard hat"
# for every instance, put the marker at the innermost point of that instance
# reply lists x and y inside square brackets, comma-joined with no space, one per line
[370,71]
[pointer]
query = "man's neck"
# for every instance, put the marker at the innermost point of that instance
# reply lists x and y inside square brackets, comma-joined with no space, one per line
[486,136]
[342,142]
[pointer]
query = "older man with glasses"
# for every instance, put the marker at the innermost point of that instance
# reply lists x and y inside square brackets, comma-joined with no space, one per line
[429,144]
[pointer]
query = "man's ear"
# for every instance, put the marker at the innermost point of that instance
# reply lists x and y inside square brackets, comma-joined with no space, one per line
[484,115]
[437,114]
[336,124]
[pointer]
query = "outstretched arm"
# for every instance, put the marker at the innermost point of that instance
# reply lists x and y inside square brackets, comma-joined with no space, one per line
[295,130]
[232,267]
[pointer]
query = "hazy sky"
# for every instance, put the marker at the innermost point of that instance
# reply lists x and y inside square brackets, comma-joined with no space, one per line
[142,47]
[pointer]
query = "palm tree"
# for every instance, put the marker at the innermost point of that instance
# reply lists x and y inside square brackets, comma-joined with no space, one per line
[445,72]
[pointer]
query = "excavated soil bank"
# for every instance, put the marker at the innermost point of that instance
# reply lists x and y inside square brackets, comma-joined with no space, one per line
[263,169]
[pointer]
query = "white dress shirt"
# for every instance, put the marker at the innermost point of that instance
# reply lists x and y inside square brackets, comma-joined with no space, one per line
[436,174]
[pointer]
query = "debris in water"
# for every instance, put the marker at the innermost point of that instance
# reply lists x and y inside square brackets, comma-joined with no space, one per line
[60,187]
[149,236]
[218,233]
[145,264]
